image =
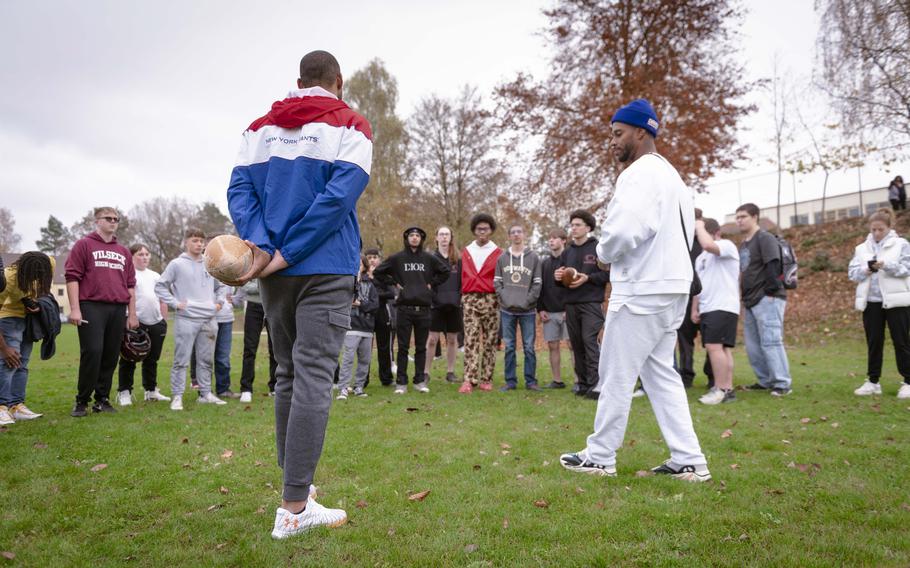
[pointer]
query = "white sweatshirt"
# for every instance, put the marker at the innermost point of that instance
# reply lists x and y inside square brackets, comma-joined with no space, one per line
[642,238]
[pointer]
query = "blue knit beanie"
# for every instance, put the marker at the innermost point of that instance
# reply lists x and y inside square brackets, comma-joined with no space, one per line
[638,113]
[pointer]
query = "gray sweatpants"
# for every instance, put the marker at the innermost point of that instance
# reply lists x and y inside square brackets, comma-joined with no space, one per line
[308,317]
[362,348]
[200,333]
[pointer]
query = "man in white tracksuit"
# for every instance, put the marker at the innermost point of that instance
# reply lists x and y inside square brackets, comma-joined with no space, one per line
[646,239]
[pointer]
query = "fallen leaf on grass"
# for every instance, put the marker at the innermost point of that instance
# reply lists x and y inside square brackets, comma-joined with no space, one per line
[260,510]
[220,546]
[805,420]
[223,490]
[786,441]
[8,555]
[411,409]
[213,507]
[546,463]
[505,523]
[579,490]
[505,452]
[644,473]
[734,466]
[40,445]
[185,441]
[774,492]
[541,503]
[470,548]
[476,467]
[427,424]
[905,506]
[727,433]
[419,496]
[257,463]
[247,408]
[361,504]
[520,476]
[99,467]
[227,454]
[846,463]
[823,418]
[505,446]
[391,532]
[834,424]
[744,536]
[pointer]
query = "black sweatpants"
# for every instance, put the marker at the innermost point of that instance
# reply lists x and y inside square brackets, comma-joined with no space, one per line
[416,319]
[99,349]
[149,365]
[685,342]
[584,322]
[253,323]
[383,330]
[898,320]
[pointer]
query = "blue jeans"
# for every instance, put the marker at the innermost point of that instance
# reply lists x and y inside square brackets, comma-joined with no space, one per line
[764,335]
[528,333]
[13,381]
[223,357]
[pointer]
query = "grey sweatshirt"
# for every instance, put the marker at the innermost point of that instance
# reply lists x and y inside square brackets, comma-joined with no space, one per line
[185,280]
[517,281]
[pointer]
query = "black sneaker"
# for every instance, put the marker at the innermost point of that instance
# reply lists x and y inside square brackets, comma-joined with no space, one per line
[555,385]
[729,396]
[79,411]
[694,473]
[228,394]
[756,387]
[580,463]
[533,387]
[507,388]
[451,378]
[592,394]
[780,392]
[103,406]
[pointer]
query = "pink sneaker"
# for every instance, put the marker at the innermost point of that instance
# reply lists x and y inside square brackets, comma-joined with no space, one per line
[466,388]
[486,386]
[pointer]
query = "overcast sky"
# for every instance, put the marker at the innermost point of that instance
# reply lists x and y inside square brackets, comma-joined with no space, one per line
[117,102]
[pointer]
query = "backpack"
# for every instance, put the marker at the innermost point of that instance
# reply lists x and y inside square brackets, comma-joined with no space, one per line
[788,264]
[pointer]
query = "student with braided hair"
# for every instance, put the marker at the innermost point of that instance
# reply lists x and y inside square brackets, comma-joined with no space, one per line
[28,278]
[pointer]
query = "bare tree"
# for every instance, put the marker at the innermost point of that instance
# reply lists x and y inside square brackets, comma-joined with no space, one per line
[863,47]
[455,157]
[159,223]
[779,103]
[9,238]
[373,92]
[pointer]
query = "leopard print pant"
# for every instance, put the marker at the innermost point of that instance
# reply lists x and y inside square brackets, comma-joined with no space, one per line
[481,336]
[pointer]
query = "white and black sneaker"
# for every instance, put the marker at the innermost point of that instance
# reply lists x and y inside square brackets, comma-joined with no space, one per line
[693,473]
[579,462]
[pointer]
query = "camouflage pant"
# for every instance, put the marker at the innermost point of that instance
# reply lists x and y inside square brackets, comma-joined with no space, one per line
[481,336]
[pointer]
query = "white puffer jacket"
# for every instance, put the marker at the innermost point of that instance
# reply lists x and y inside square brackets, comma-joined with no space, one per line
[891,284]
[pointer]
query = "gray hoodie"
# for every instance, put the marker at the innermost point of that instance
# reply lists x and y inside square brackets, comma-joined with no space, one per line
[517,281]
[185,280]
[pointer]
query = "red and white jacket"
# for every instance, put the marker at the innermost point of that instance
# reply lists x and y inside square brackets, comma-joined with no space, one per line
[479,280]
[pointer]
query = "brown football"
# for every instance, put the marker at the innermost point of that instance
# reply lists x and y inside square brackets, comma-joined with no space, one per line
[569,275]
[227,258]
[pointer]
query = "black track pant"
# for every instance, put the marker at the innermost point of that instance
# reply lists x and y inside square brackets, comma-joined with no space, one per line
[584,322]
[416,319]
[253,323]
[99,349]
[149,365]
[898,321]
[383,331]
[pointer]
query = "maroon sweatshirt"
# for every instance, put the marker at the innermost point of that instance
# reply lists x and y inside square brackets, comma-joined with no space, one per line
[103,270]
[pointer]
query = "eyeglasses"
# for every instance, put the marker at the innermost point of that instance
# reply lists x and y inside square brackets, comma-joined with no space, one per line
[482,229]
[111,219]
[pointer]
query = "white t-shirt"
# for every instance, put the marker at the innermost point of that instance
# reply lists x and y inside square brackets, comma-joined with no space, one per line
[719,274]
[480,253]
[147,304]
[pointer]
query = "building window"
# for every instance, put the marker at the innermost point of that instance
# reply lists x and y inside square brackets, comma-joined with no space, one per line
[817,216]
[801,219]
[853,212]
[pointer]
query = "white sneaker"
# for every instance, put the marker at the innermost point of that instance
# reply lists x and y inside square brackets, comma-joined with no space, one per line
[358,391]
[638,393]
[401,389]
[342,394]
[22,412]
[315,515]
[6,417]
[713,396]
[904,392]
[177,402]
[868,388]
[124,398]
[156,395]
[422,387]
[246,396]
[210,398]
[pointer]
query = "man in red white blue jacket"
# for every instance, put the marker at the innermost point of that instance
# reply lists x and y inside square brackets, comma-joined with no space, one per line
[292,196]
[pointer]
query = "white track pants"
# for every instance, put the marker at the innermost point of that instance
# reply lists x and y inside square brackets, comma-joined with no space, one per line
[642,346]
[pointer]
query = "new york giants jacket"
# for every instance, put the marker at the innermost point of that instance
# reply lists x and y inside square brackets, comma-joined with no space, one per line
[295,185]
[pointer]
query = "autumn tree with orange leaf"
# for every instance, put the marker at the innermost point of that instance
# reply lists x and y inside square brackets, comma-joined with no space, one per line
[680,55]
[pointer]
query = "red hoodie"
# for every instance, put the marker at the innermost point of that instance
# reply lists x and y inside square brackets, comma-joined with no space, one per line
[103,270]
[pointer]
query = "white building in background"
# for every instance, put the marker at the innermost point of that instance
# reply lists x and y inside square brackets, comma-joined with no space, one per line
[837,207]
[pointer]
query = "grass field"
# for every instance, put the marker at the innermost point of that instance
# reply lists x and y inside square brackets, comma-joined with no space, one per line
[816,479]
